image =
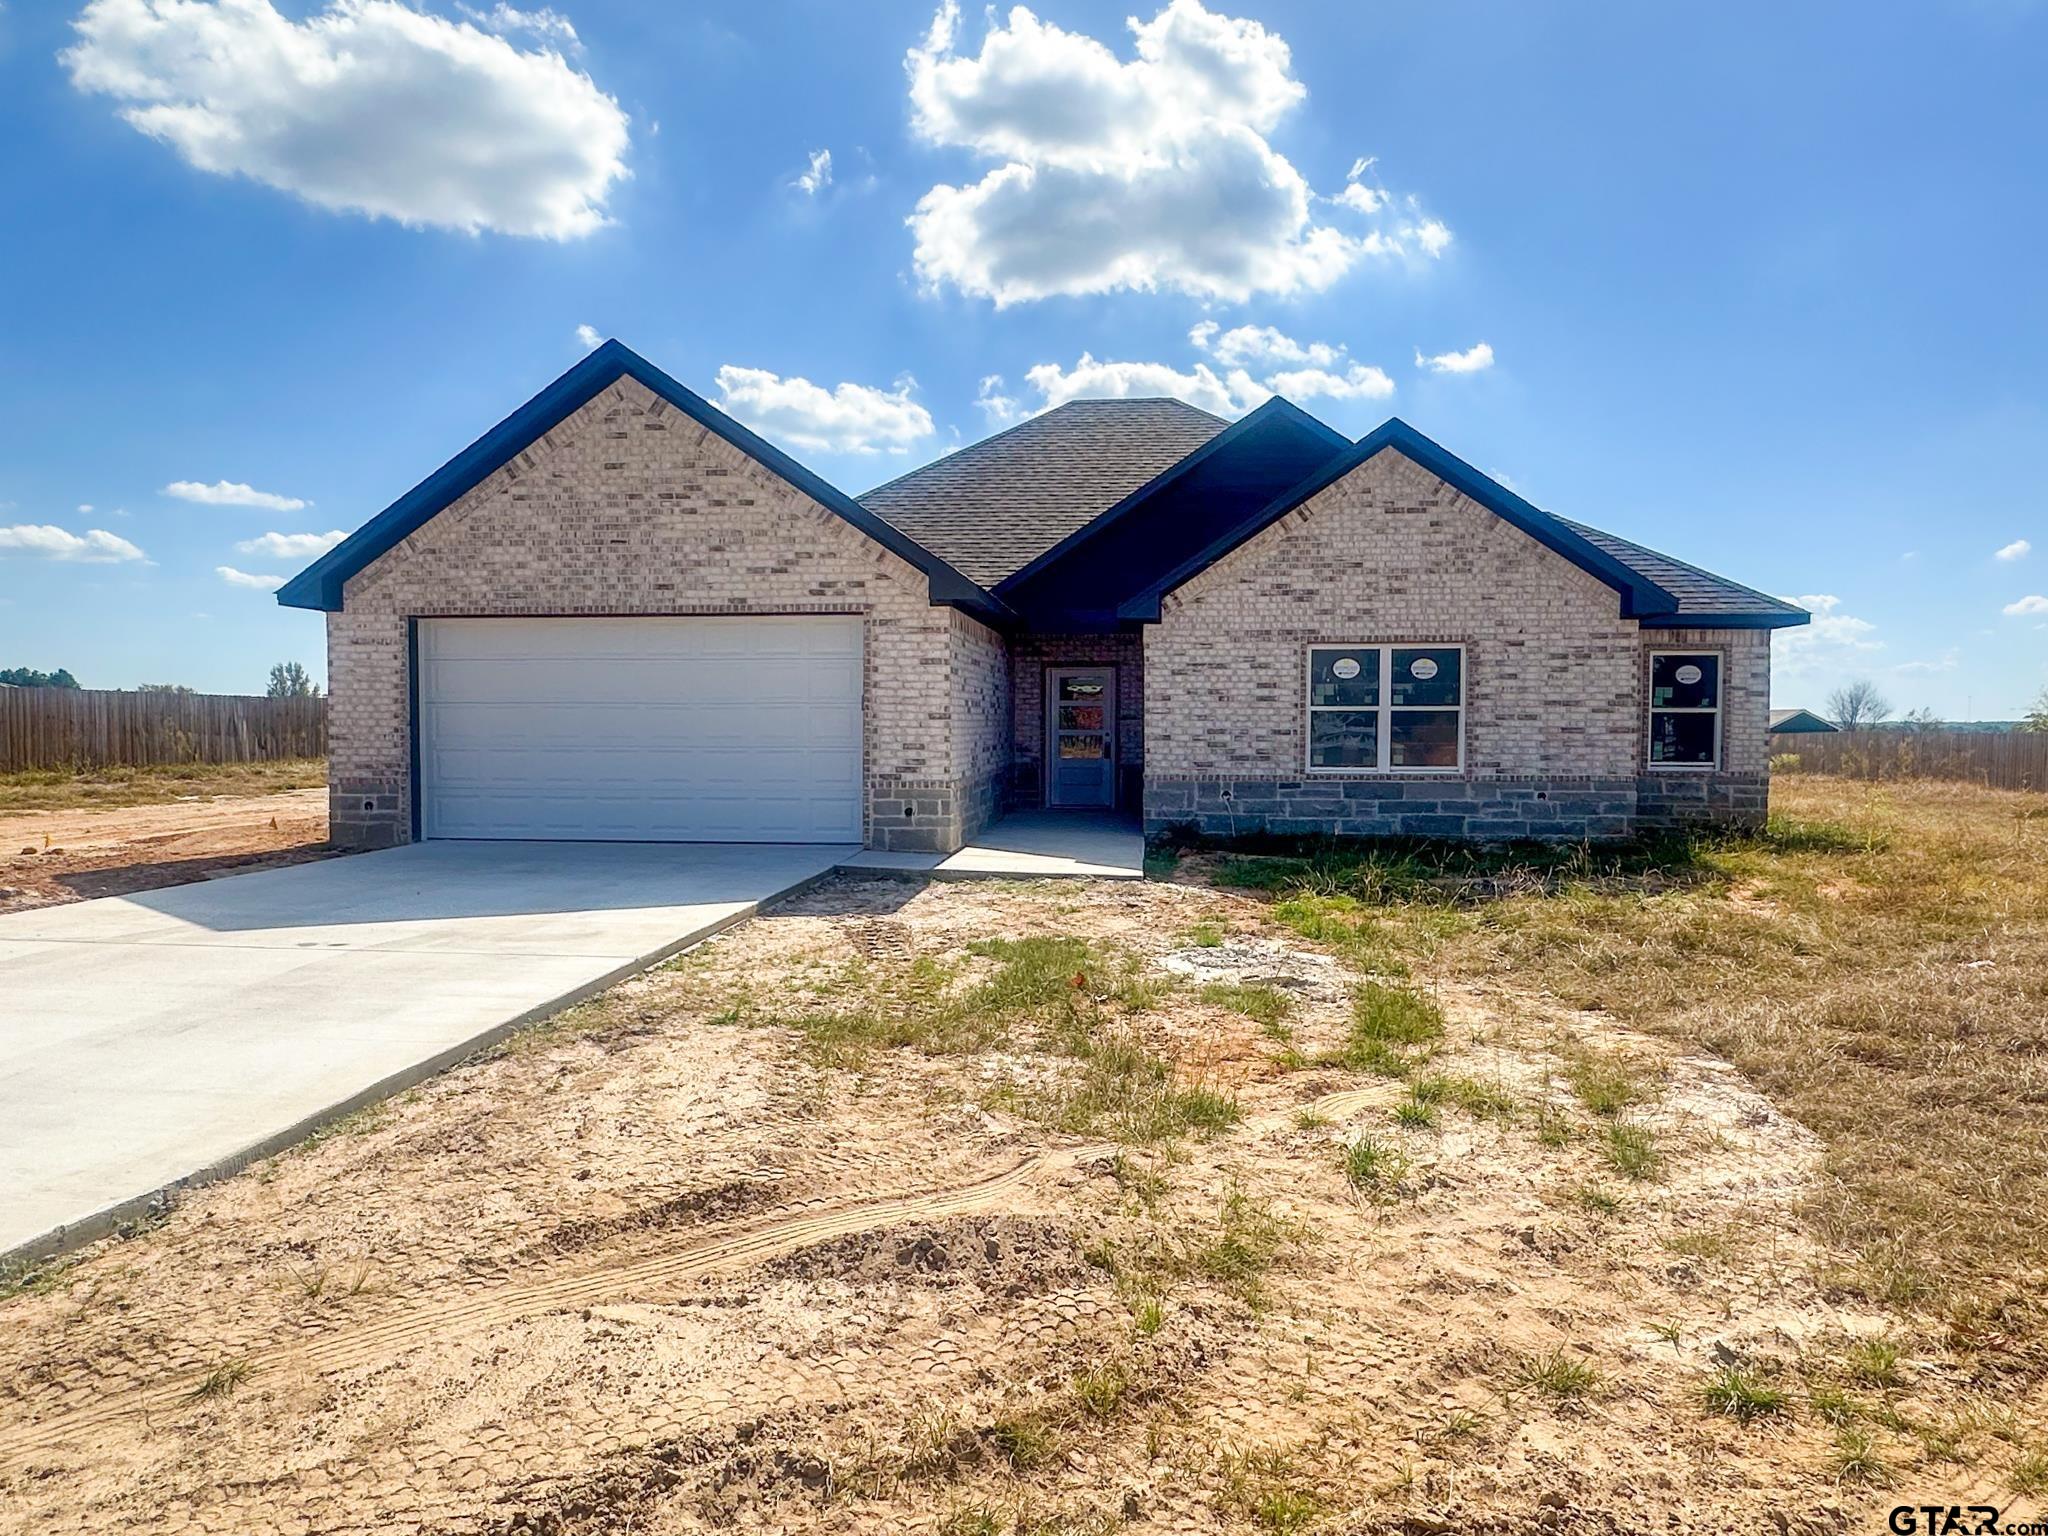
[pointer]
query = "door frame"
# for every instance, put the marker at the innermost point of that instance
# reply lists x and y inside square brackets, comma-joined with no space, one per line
[1049,737]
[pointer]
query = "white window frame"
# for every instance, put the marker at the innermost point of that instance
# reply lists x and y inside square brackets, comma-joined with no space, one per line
[1651,709]
[1386,709]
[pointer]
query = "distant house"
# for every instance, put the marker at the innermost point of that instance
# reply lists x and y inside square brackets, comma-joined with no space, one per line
[1799,722]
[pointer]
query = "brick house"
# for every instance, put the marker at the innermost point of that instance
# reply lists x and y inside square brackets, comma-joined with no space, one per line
[622,615]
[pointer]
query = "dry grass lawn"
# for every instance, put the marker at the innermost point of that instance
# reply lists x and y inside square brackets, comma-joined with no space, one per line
[64,789]
[1692,1189]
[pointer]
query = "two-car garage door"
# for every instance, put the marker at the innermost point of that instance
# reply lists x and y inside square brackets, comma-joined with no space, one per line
[641,729]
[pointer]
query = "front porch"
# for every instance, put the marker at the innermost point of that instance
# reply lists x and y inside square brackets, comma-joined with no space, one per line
[1028,844]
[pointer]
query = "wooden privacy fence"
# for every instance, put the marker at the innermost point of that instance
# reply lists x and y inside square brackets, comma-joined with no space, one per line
[96,728]
[1998,759]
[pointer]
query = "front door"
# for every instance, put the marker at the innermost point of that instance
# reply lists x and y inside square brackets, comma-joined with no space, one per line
[1080,736]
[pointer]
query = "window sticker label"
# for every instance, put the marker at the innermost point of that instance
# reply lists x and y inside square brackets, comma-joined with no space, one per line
[1685,674]
[1422,668]
[1346,667]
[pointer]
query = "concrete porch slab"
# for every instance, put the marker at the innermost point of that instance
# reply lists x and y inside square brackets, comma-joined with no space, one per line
[1027,845]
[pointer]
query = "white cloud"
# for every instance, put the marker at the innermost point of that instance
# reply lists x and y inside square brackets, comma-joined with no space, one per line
[1259,346]
[2018,549]
[1231,394]
[543,23]
[853,418]
[85,509]
[46,541]
[235,578]
[1834,644]
[1358,382]
[1151,173]
[2033,602]
[233,493]
[587,338]
[819,176]
[1474,359]
[1303,370]
[292,546]
[999,408]
[368,106]
[1357,196]
[1947,661]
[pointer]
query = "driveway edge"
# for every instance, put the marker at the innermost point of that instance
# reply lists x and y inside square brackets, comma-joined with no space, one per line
[147,1208]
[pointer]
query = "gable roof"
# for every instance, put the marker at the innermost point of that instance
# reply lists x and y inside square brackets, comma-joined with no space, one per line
[1078,583]
[996,505]
[1798,721]
[1636,574]
[320,584]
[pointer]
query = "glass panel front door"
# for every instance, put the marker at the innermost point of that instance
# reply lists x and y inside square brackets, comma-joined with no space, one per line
[1080,736]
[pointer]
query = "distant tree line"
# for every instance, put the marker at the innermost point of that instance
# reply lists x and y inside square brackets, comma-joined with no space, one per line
[288,680]
[29,677]
[1859,706]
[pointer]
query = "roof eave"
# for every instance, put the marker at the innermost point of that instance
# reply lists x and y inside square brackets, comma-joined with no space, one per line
[1788,620]
[320,585]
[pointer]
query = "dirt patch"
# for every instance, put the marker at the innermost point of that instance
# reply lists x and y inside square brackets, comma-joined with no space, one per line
[1004,1255]
[662,1264]
[50,857]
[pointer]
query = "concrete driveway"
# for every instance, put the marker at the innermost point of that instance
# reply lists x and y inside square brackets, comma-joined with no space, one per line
[150,1039]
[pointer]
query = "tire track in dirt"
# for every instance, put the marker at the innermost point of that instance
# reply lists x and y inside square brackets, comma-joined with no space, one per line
[738,1248]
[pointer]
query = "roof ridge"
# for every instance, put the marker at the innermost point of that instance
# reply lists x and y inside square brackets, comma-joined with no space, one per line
[1036,419]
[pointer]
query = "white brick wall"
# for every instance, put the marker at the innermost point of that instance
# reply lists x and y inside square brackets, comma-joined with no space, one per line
[630,507]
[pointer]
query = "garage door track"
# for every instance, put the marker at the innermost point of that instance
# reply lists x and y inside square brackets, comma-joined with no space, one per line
[146,1040]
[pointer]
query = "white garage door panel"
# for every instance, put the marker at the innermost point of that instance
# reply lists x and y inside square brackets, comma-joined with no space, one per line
[682,730]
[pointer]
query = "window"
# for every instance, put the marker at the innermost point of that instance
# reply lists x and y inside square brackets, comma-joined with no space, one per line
[1386,708]
[1685,709]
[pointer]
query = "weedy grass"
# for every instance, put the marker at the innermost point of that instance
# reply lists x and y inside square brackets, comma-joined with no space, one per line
[1392,1027]
[1562,1374]
[1374,1167]
[1874,1362]
[1856,1458]
[1051,993]
[1740,1393]
[1631,1149]
[222,1381]
[1272,1490]
[1264,1005]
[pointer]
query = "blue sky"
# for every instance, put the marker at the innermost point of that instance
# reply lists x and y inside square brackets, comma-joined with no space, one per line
[1758,285]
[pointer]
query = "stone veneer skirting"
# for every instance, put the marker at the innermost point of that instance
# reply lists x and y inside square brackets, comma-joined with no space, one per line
[1487,810]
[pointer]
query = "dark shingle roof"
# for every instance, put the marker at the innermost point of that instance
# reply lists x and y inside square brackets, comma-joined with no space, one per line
[1700,594]
[991,508]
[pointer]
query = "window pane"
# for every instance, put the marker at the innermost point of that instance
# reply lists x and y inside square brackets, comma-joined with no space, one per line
[1080,717]
[1423,738]
[1685,682]
[1425,675]
[1344,674]
[1681,738]
[1343,738]
[1087,689]
[1084,747]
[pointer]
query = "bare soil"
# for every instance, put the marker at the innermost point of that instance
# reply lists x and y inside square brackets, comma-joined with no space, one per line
[53,856]
[684,1259]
